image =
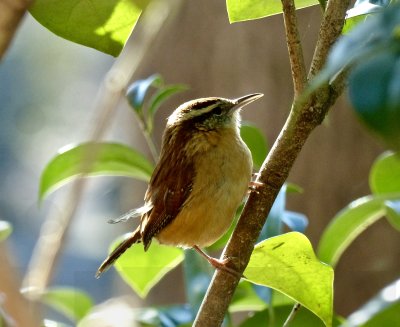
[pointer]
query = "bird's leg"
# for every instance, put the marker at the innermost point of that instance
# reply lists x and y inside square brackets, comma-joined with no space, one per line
[217,263]
[254,186]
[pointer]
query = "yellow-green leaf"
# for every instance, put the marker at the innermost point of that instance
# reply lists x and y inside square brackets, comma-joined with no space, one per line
[287,263]
[240,10]
[142,270]
[104,25]
[71,302]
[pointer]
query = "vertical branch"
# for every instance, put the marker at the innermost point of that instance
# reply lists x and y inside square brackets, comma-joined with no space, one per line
[11,14]
[303,118]
[295,50]
[55,227]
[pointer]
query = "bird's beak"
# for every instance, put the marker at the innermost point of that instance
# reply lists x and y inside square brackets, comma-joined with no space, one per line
[245,100]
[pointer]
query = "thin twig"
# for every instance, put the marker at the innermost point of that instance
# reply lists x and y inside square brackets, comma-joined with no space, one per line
[292,314]
[295,50]
[11,14]
[55,228]
[303,118]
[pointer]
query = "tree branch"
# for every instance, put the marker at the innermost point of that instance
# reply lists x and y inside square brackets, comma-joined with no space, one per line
[295,50]
[303,118]
[11,13]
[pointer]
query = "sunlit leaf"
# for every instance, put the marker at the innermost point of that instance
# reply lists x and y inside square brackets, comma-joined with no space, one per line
[110,159]
[142,270]
[347,225]
[393,212]
[303,318]
[104,25]
[71,302]
[384,176]
[288,264]
[5,230]
[256,142]
[240,10]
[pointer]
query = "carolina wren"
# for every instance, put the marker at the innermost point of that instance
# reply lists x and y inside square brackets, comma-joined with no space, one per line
[201,178]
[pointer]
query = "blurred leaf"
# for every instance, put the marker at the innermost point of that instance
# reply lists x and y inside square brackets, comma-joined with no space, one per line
[197,273]
[111,159]
[241,10]
[246,299]
[303,318]
[375,36]
[274,225]
[384,176]
[393,213]
[349,223]
[172,316]
[52,323]
[382,310]
[255,141]
[389,316]
[374,90]
[361,10]
[142,270]
[104,25]
[293,188]
[5,230]
[162,95]
[288,264]
[71,302]
[296,221]
[138,90]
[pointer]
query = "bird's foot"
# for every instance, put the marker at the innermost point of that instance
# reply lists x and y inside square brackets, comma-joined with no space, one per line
[254,186]
[218,263]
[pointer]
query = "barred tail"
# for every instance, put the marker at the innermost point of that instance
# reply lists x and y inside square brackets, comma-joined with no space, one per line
[135,237]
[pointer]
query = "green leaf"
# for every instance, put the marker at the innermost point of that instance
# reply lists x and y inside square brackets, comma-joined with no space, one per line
[384,176]
[241,10]
[288,264]
[393,213]
[104,25]
[389,316]
[161,96]
[142,270]
[374,90]
[349,223]
[256,142]
[138,90]
[360,12]
[5,230]
[71,302]
[303,318]
[246,299]
[111,159]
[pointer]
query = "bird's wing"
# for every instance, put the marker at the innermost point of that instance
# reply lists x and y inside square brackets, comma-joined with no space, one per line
[170,186]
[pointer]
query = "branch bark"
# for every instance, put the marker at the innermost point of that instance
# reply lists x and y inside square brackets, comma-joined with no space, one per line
[295,50]
[11,14]
[303,118]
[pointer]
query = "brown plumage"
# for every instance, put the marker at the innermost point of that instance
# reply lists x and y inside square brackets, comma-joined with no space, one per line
[199,181]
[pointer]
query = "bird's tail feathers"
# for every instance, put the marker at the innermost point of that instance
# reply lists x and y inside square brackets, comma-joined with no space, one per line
[134,237]
[134,213]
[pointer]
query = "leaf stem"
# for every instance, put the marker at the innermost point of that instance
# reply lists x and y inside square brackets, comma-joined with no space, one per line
[292,314]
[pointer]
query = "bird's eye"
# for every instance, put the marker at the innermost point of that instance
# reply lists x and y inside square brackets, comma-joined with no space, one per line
[217,111]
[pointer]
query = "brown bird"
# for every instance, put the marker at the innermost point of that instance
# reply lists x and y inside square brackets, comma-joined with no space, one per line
[200,180]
